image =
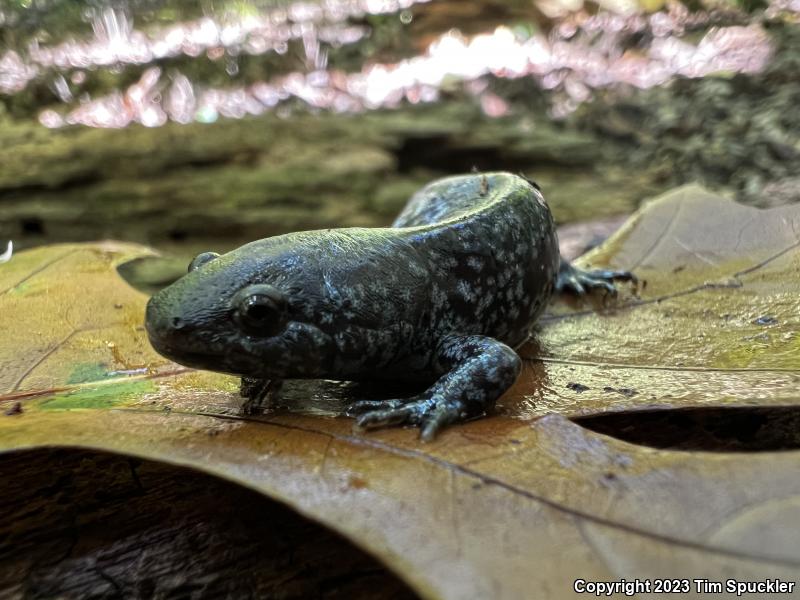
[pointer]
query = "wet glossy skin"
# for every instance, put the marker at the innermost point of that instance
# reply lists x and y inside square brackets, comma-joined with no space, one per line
[444,295]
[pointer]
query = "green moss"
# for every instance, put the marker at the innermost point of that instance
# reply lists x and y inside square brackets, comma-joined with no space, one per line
[87,372]
[21,289]
[101,396]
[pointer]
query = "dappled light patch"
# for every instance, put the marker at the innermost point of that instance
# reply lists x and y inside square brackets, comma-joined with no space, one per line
[565,47]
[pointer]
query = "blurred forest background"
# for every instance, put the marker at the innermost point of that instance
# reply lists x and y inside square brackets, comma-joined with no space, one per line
[197,126]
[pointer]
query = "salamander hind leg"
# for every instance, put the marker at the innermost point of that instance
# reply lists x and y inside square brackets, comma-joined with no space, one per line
[477,370]
[258,393]
[578,281]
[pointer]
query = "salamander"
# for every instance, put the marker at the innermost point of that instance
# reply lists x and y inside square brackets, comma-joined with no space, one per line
[443,296]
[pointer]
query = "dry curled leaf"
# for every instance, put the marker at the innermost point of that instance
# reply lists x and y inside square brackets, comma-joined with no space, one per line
[526,500]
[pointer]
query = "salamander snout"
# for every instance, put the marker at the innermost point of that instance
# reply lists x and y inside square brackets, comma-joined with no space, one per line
[190,337]
[164,326]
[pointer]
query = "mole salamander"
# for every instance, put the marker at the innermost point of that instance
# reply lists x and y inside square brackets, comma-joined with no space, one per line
[444,295]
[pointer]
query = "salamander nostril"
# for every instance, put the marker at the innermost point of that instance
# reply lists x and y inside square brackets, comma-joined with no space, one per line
[177,323]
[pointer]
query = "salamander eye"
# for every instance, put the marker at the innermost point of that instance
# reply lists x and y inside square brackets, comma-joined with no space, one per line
[261,310]
[201,259]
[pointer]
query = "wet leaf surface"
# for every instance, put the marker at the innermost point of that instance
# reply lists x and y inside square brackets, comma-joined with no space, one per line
[541,492]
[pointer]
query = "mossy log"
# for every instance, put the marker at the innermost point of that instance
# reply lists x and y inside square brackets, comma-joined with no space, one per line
[217,186]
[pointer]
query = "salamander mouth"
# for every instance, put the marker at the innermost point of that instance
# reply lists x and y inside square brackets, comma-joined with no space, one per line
[179,354]
[195,356]
[227,362]
[183,357]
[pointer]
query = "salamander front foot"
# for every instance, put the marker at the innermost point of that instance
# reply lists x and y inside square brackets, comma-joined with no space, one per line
[258,394]
[580,282]
[429,413]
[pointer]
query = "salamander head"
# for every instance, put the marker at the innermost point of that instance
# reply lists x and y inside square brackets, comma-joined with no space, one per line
[248,312]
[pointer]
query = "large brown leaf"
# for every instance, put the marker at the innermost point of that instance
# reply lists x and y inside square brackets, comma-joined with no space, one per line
[515,505]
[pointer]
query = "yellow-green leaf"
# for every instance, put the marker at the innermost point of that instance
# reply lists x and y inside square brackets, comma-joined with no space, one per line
[515,505]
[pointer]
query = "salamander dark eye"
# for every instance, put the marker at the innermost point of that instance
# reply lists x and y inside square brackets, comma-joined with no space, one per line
[261,310]
[201,259]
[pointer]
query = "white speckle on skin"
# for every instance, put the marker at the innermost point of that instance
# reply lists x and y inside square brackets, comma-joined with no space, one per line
[475,263]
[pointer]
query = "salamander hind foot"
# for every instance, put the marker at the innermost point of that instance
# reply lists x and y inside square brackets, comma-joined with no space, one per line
[580,282]
[477,370]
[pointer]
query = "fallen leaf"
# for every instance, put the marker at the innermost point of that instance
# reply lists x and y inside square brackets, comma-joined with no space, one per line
[515,505]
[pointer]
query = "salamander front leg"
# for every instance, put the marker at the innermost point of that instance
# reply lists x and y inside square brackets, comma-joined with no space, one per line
[258,393]
[477,370]
[580,282]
